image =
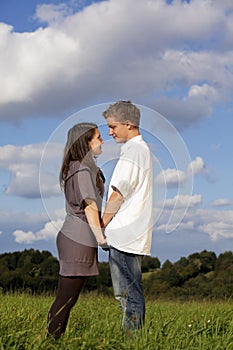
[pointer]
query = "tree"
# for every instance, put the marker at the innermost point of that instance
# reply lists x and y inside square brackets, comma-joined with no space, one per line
[150,263]
[208,261]
[224,261]
[200,275]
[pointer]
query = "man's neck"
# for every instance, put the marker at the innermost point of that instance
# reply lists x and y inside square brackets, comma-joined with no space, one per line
[133,133]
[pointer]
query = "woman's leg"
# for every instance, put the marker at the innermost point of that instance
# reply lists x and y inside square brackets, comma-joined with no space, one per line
[68,292]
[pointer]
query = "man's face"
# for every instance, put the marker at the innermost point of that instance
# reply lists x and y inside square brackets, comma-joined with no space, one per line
[119,131]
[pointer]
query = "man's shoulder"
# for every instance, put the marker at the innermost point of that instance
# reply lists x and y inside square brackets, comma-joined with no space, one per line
[137,145]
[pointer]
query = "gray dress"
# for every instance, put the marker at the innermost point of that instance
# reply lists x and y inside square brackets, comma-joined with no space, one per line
[77,246]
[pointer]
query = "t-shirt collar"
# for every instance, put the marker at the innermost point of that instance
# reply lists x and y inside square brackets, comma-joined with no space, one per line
[136,139]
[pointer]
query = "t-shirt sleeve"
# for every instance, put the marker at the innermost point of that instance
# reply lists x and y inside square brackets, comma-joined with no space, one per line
[86,188]
[125,177]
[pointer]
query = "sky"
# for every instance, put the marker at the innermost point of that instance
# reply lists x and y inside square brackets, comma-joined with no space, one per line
[64,62]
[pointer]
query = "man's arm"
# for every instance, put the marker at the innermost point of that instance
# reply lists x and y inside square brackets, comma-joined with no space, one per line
[113,205]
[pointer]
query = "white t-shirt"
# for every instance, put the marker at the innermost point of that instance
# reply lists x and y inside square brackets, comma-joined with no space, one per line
[130,230]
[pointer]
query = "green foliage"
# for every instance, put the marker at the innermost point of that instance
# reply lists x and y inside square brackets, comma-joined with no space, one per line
[200,275]
[29,270]
[150,263]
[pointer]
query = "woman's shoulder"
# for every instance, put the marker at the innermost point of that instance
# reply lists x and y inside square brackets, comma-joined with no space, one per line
[77,166]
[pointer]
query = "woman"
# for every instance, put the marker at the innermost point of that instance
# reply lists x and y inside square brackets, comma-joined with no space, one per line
[77,241]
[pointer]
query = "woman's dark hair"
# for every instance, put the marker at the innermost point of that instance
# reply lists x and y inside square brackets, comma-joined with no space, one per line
[77,148]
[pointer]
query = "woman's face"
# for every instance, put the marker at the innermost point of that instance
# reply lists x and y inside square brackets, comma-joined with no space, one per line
[96,143]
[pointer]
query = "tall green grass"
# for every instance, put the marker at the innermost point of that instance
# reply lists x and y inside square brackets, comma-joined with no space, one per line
[95,324]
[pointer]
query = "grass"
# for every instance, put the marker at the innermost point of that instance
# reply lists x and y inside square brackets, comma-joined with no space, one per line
[95,324]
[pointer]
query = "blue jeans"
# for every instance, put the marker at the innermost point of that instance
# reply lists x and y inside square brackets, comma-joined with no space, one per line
[127,286]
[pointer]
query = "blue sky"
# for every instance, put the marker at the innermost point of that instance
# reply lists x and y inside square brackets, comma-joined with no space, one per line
[62,62]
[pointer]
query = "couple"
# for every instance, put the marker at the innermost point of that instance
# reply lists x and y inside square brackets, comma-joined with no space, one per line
[125,227]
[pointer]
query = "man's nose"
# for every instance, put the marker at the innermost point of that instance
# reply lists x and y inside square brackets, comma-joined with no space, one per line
[110,132]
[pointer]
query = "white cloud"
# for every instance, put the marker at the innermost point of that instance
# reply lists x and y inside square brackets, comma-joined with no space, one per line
[216,224]
[221,202]
[49,231]
[52,14]
[32,178]
[205,91]
[173,213]
[12,220]
[217,229]
[176,177]
[197,166]
[69,64]
[183,226]
[23,162]
[183,201]
[171,177]
[10,154]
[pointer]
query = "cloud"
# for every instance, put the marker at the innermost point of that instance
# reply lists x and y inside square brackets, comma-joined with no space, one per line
[173,213]
[216,224]
[12,220]
[171,177]
[175,177]
[52,14]
[187,219]
[205,90]
[197,166]
[183,68]
[28,227]
[222,202]
[23,163]
[49,231]
[182,227]
[183,201]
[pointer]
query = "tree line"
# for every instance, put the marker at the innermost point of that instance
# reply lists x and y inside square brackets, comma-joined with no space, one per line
[200,275]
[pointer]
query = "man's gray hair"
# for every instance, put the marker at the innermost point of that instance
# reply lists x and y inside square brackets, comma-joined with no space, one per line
[123,111]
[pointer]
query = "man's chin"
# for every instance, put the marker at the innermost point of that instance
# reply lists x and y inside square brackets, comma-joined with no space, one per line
[118,140]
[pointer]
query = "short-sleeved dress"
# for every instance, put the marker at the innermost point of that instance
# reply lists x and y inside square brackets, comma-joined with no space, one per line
[76,243]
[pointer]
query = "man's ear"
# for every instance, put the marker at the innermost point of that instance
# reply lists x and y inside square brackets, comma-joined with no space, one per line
[129,125]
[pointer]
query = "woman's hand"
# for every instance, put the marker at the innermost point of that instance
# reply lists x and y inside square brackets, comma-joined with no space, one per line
[92,215]
[103,242]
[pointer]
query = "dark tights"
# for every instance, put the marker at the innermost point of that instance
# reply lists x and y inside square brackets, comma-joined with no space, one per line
[68,292]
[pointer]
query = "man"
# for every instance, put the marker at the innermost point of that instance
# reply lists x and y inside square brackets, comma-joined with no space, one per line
[128,213]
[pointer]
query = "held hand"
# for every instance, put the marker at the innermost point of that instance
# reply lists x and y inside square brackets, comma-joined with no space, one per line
[103,226]
[103,243]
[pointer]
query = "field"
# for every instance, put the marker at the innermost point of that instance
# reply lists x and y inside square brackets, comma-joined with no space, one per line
[95,320]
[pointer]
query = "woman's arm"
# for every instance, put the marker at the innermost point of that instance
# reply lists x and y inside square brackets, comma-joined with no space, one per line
[92,215]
